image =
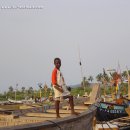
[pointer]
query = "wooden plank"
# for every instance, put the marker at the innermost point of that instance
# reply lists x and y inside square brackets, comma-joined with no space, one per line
[51,115]
[22,120]
[88,103]
[63,111]
[128,110]
[121,119]
[119,123]
[94,95]
[106,127]
[6,117]
[36,118]
[77,107]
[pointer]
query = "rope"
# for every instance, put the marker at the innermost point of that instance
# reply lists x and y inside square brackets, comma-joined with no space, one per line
[55,124]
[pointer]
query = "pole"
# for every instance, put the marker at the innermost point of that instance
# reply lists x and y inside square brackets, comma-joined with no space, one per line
[15,94]
[15,91]
[40,86]
[104,81]
[40,93]
[128,83]
[81,68]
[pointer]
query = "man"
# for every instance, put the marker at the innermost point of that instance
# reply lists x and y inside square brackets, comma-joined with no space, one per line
[60,89]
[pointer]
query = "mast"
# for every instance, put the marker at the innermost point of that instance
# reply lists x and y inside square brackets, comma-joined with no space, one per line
[104,81]
[119,68]
[128,83]
[111,82]
[40,92]
[81,68]
[119,78]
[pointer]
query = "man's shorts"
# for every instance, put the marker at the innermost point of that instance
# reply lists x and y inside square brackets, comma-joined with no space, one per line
[60,96]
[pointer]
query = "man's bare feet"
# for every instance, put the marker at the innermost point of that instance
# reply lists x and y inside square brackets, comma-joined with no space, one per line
[58,116]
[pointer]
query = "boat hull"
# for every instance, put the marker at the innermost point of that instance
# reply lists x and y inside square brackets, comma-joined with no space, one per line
[109,111]
[83,121]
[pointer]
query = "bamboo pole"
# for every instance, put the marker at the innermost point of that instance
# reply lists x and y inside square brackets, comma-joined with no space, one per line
[128,87]
[128,83]
[104,87]
[81,68]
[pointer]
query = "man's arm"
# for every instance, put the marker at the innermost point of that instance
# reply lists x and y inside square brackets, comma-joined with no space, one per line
[59,88]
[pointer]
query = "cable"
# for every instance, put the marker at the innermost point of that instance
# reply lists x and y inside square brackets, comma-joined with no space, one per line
[102,125]
[108,125]
[55,124]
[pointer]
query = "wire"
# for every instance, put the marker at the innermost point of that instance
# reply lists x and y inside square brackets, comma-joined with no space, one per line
[55,124]
[108,125]
[102,125]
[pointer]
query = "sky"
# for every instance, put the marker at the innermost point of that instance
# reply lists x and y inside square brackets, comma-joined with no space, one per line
[33,33]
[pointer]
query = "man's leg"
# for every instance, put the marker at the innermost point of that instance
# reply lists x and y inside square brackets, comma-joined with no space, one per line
[71,102]
[57,103]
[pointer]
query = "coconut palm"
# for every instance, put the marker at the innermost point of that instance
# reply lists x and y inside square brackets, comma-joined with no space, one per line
[11,89]
[124,75]
[99,77]
[30,90]
[84,83]
[90,78]
[23,89]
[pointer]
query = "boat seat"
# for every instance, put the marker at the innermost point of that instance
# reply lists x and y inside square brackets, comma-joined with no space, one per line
[87,95]
[94,95]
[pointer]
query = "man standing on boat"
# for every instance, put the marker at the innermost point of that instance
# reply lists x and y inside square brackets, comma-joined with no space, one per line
[60,89]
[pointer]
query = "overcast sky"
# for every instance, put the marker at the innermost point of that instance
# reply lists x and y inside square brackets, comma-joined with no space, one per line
[31,38]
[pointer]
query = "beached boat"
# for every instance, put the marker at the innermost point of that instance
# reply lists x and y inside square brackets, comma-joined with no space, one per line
[39,117]
[108,111]
[21,101]
[14,101]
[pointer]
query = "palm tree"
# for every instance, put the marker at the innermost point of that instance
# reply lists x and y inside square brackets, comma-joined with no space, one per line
[30,90]
[40,92]
[90,78]
[99,77]
[124,75]
[23,89]
[11,89]
[40,85]
[45,87]
[84,83]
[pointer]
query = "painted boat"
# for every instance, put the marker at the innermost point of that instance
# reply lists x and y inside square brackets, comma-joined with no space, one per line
[107,111]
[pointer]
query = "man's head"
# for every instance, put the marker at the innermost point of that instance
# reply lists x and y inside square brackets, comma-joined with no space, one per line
[57,63]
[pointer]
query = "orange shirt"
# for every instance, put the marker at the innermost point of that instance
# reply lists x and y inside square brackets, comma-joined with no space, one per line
[54,76]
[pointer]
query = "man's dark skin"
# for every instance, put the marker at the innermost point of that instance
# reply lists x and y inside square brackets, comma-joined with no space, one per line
[57,64]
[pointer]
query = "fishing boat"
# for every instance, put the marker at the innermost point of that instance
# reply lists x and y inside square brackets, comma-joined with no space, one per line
[115,106]
[21,101]
[36,117]
[107,111]
[14,101]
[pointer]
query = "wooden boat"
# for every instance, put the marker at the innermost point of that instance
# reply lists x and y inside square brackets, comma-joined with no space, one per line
[14,101]
[108,111]
[21,101]
[36,118]
[122,123]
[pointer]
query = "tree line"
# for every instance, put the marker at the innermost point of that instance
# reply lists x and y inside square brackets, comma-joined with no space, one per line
[45,91]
